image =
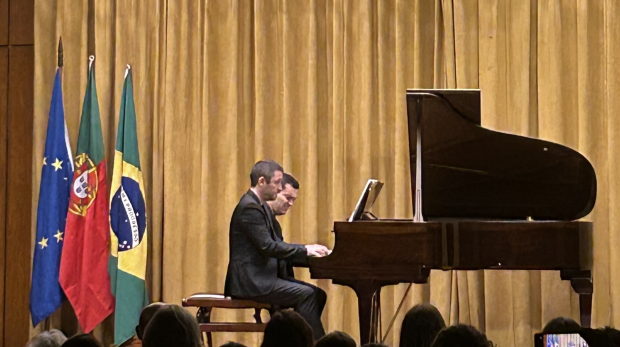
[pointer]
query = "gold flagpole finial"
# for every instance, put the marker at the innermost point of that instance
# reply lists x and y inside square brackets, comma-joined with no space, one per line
[60,53]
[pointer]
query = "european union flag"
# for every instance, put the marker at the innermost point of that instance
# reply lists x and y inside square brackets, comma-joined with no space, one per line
[56,176]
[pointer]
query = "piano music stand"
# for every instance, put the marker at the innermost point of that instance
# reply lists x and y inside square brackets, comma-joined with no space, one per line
[366,200]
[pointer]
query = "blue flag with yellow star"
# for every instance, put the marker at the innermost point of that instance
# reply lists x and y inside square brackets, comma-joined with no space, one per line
[56,177]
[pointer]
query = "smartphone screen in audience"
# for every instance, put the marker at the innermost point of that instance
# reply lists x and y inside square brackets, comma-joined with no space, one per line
[559,340]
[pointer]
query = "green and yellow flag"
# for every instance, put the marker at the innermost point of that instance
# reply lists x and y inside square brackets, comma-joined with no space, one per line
[129,243]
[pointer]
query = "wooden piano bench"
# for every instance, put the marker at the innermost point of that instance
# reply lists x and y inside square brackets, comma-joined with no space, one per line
[206,302]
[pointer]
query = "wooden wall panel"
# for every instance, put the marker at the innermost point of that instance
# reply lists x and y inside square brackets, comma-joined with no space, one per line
[21,22]
[4,84]
[19,190]
[4,22]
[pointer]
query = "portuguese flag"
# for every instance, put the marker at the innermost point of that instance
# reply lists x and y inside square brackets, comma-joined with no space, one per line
[83,265]
[129,245]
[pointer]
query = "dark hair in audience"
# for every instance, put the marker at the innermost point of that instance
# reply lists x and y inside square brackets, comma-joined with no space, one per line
[336,339]
[288,179]
[613,334]
[82,340]
[232,344]
[287,328]
[461,335]
[146,316]
[264,168]
[172,326]
[596,337]
[561,325]
[52,338]
[421,325]
[375,344]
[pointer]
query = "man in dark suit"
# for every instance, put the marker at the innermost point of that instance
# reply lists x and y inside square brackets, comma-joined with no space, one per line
[255,250]
[278,207]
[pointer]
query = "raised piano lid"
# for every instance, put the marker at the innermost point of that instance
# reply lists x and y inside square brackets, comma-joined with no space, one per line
[472,172]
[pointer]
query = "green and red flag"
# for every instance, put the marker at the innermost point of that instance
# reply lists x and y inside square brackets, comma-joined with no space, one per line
[128,250]
[83,266]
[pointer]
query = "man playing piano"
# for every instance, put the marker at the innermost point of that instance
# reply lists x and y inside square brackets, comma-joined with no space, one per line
[255,251]
[278,207]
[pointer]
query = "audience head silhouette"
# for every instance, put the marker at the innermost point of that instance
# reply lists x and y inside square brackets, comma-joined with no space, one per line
[420,326]
[287,329]
[172,326]
[613,334]
[82,340]
[561,325]
[232,344]
[375,344]
[52,338]
[146,316]
[461,336]
[336,339]
[596,337]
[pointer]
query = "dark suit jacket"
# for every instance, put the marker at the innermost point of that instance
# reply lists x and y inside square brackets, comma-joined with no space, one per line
[285,266]
[254,250]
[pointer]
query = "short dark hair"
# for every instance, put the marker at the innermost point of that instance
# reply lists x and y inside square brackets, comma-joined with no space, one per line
[561,325]
[288,179]
[172,326]
[375,344]
[264,168]
[420,326]
[596,338]
[145,317]
[232,344]
[287,328]
[461,335]
[336,339]
[613,334]
[82,340]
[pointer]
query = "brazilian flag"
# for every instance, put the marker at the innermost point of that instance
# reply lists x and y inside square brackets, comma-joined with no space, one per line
[129,243]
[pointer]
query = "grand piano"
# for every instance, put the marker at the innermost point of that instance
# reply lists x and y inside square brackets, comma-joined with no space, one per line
[481,200]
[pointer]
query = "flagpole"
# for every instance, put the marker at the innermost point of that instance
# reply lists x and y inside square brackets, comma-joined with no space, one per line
[47,323]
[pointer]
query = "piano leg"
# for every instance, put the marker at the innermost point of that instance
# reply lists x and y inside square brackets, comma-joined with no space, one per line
[585,309]
[365,289]
[581,281]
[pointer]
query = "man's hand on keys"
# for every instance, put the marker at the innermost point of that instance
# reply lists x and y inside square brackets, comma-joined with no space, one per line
[317,250]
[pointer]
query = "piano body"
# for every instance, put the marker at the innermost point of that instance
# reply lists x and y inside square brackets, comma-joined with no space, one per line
[482,200]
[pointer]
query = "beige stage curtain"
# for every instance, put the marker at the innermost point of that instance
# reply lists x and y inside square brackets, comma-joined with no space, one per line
[320,87]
